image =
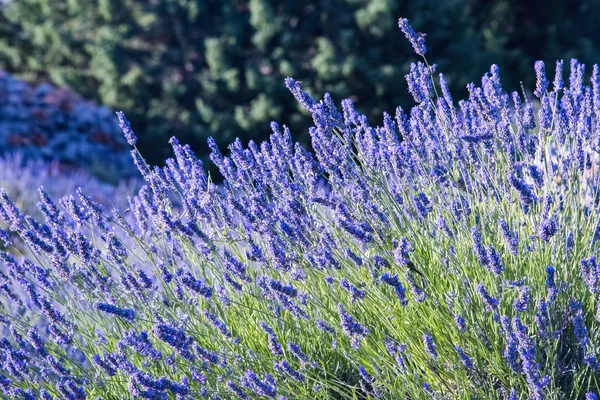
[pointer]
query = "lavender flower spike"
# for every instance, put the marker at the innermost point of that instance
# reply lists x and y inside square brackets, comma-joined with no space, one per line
[430,347]
[124,313]
[416,39]
[491,303]
[126,128]
[541,82]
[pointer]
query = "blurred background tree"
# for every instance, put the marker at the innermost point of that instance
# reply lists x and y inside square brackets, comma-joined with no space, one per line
[199,68]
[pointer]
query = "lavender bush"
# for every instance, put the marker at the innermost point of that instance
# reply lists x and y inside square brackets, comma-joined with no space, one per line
[449,253]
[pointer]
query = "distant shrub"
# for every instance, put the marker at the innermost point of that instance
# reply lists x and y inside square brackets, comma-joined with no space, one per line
[56,124]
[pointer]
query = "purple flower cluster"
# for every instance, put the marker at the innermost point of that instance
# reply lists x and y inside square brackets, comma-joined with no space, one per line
[124,313]
[394,282]
[416,39]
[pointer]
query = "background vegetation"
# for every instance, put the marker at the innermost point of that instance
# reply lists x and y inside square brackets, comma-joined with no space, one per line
[199,68]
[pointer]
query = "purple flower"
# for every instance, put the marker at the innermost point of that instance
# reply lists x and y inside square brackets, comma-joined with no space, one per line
[420,86]
[579,328]
[236,390]
[522,301]
[37,341]
[551,283]
[196,285]
[59,335]
[526,195]
[106,367]
[460,322]
[590,272]
[70,390]
[351,328]
[357,260]
[510,351]
[219,325]
[541,82]
[140,343]
[527,353]
[302,96]
[494,261]
[509,237]
[403,248]
[490,302]
[355,293]
[265,388]
[285,368]
[124,313]
[126,128]
[464,358]
[478,248]
[235,285]
[207,355]
[175,337]
[547,229]
[541,318]
[393,281]
[545,114]
[235,267]
[117,252]
[324,326]
[558,75]
[274,345]
[430,347]
[416,39]
[364,375]
[296,351]
[45,395]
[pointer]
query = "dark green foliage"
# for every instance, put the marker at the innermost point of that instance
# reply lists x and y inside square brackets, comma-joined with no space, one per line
[199,68]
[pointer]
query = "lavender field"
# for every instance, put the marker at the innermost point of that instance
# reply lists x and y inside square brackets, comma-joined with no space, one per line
[449,252]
